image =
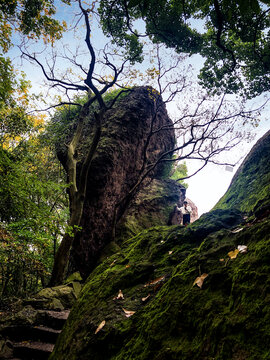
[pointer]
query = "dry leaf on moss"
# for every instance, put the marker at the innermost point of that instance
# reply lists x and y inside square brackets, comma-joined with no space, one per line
[233,254]
[145,298]
[153,282]
[114,261]
[235,231]
[119,296]
[128,313]
[200,279]
[242,248]
[100,326]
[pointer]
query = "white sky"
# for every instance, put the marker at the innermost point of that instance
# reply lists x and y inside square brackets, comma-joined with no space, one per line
[211,183]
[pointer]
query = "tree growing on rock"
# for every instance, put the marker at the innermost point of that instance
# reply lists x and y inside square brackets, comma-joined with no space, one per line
[202,129]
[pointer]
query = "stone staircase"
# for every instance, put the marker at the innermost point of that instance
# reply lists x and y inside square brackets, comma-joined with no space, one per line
[30,329]
[34,342]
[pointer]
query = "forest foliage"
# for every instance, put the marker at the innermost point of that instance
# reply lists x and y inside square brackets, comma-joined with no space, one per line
[33,191]
[33,206]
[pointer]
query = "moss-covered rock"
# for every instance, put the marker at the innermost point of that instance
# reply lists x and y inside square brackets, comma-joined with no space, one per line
[226,318]
[250,187]
[58,297]
[152,206]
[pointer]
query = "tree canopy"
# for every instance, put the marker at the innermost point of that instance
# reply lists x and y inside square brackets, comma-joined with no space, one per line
[232,36]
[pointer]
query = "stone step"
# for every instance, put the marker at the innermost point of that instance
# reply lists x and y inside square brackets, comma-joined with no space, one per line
[53,319]
[32,350]
[30,342]
[36,333]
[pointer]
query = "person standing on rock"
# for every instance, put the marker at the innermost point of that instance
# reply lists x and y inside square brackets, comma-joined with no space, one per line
[186,212]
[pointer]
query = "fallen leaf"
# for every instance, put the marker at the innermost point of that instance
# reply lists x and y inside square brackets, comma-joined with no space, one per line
[170,252]
[100,326]
[233,254]
[242,248]
[128,313]
[235,231]
[145,298]
[200,279]
[114,261]
[153,282]
[119,296]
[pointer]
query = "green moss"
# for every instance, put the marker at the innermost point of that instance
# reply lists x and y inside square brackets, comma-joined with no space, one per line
[144,258]
[251,185]
[178,320]
[228,318]
[152,206]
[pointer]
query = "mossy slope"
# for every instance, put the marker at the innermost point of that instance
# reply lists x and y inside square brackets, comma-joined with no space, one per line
[228,318]
[250,187]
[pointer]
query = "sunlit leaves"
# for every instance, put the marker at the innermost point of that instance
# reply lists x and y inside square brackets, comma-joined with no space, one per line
[33,202]
[32,18]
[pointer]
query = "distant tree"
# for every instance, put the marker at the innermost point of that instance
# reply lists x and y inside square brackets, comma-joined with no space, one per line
[31,20]
[33,212]
[29,206]
[179,172]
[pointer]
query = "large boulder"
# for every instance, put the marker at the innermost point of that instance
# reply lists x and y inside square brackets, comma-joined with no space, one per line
[57,298]
[186,293]
[135,133]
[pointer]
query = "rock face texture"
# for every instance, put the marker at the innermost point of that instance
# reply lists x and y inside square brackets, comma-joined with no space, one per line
[152,206]
[185,296]
[194,215]
[125,148]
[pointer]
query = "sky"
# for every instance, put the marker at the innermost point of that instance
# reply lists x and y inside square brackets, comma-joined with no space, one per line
[210,184]
[204,189]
